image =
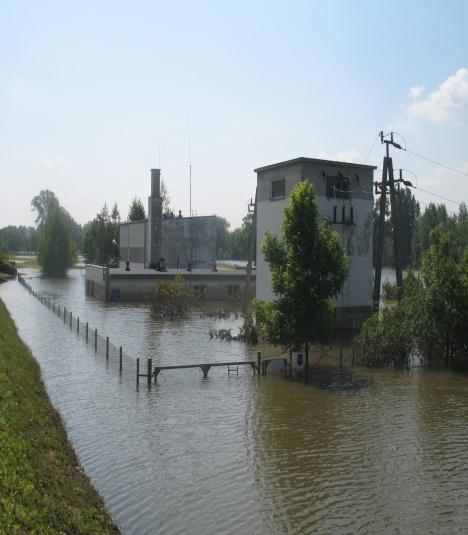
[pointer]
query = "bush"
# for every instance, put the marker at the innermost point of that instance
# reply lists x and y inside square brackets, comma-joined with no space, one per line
[390,291]
[248,332]
[431,319]
[173,300]
[6,266]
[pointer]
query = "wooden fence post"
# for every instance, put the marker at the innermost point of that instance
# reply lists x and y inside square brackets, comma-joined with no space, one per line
[259,363]
[138,372]
[86,332]
[78,325]
[120,359]
[64,314]
[107,347]
[95,339]
[149,371]
[71,319]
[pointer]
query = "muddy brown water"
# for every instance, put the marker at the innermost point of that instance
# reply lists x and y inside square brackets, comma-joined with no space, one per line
[355,450]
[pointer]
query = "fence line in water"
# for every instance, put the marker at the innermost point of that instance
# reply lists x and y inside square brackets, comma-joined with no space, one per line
[103,345]
[100,343]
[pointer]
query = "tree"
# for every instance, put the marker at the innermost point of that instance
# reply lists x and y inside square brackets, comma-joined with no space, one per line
[101,238]
[18,239]
[57,250]
[408,215]
[43,204]
[223,238]
[432,217]
[136,210]
[308,268]
[241,238]
[166,200]
[431,320]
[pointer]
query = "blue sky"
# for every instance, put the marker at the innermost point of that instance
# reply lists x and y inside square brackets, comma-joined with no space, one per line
[94,94]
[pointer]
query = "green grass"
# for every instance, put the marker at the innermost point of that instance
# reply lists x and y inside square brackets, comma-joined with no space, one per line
[24,261]
[42,487]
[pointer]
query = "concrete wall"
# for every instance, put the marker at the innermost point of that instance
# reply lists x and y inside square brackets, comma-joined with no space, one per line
[355,300]
[97,281]
[213,287]
[176,242]
[132,243]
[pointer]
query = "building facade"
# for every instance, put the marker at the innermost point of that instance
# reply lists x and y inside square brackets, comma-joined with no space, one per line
[345,196]
[162,239]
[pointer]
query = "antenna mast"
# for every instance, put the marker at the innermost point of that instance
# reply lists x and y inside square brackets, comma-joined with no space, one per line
[190,194]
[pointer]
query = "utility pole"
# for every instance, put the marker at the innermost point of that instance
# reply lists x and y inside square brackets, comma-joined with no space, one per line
[252,208]
[387,176]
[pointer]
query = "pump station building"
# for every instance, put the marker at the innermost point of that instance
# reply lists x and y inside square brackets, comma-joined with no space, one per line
[345,197]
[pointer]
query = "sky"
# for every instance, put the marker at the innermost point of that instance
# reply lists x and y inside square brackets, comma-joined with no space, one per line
[95,94]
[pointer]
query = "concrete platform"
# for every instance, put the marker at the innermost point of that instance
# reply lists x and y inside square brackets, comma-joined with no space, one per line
[137,285]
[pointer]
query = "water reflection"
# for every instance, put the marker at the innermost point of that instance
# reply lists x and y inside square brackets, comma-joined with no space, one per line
[353,450]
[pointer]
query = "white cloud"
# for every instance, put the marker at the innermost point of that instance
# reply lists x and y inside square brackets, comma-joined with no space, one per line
[416,91]
[349,155]
[447,105]
[54,162]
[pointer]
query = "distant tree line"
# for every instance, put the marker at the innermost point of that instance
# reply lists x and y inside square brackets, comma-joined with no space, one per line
[416,227]
[233,244]
[15,239]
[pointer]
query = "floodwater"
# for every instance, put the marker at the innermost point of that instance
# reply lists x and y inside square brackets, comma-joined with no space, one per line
[355,450]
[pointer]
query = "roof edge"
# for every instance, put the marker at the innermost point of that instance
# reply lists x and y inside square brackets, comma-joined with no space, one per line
[313,160]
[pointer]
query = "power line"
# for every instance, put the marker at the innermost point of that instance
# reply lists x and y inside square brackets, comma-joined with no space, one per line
[440,196]
[371,149]
[454,169]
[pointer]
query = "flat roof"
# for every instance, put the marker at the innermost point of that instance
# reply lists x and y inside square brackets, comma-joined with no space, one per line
[302,159]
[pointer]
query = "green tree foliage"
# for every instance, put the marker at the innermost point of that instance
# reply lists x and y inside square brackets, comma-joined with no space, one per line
[44,204]
[101,238]
[223,238]
[408,213]
[136,210]
[308,268]
[18,239]
[432,217]
[432,318]
[241,238]
[173,300]
[233,244]
[57,250]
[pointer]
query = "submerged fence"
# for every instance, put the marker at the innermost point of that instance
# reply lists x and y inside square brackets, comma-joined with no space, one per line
[104,346]
[101,344]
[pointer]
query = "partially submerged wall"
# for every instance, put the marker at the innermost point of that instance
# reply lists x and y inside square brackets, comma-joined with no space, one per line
[212,287]
[97,281]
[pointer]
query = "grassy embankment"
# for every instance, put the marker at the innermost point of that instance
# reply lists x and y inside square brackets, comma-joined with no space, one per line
[42,487]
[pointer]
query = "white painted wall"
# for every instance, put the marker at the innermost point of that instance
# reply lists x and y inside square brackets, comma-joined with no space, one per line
[356,239]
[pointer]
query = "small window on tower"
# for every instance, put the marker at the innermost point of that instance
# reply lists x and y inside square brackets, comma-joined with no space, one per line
[277,189]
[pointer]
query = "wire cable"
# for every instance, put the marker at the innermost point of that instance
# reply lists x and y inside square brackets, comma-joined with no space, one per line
[440,196]
[454,169]
[372,148]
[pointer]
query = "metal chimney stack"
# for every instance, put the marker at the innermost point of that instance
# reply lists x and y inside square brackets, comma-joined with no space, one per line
[154,219]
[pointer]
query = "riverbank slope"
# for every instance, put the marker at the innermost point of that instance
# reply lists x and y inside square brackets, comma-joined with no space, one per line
[42,487]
